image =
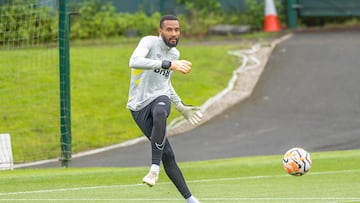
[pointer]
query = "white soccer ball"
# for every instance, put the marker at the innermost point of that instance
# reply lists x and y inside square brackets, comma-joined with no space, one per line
[297,161]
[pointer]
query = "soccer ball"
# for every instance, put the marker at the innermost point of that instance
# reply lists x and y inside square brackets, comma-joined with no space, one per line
[297,161]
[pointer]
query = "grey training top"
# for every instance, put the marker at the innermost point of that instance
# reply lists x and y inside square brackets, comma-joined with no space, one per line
[148,80]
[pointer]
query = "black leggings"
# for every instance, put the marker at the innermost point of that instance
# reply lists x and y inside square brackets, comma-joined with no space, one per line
[152,122]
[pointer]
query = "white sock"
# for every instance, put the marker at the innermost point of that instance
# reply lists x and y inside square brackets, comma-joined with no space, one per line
[192,199]
[155,168]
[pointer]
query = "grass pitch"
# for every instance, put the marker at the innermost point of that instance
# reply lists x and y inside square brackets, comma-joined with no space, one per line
[334,177]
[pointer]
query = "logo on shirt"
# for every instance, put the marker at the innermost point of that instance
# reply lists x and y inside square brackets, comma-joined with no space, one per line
[163,72]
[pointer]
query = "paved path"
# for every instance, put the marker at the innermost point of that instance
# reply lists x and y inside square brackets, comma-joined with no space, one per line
[307,96]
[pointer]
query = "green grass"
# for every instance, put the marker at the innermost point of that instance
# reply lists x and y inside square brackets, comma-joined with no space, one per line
[29,92]
[334,177]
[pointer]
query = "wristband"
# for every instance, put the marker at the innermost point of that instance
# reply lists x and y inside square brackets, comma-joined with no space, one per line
[166,64]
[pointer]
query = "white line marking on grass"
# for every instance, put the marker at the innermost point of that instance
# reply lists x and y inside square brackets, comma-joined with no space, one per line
[274,176]
[70,189]
[87,200]
[165,183]
[332,199]
[334,172]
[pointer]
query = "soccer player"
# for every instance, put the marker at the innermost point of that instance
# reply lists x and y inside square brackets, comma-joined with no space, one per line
[152,64]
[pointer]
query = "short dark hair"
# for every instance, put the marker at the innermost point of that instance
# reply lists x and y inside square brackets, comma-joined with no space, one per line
[167,17]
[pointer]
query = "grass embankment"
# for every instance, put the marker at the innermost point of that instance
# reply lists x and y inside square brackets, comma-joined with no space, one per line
[29,92]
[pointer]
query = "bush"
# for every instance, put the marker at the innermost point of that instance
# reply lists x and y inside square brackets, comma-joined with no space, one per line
[98,20]
[200,16]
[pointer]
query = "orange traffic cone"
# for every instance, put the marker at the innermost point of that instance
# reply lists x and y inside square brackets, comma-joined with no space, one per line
[271,22]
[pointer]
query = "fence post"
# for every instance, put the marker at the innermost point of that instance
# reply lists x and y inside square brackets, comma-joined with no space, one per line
[292,13]
[65,106]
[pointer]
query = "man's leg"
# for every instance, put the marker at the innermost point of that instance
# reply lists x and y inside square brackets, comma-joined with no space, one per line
[160,110]
[145,120]
[152,121]
[173,171]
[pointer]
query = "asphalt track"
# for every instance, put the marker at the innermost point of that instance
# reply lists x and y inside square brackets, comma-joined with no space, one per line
[307,96]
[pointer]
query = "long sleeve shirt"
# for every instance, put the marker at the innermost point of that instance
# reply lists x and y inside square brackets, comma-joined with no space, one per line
[148,79]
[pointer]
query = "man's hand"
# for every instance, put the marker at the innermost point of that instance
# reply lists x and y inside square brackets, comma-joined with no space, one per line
[191,113]
[182,66]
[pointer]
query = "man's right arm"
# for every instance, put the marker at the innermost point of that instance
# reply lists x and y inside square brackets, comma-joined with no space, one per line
[138,58]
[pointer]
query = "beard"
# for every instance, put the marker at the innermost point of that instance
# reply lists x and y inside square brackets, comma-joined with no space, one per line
[168,41]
